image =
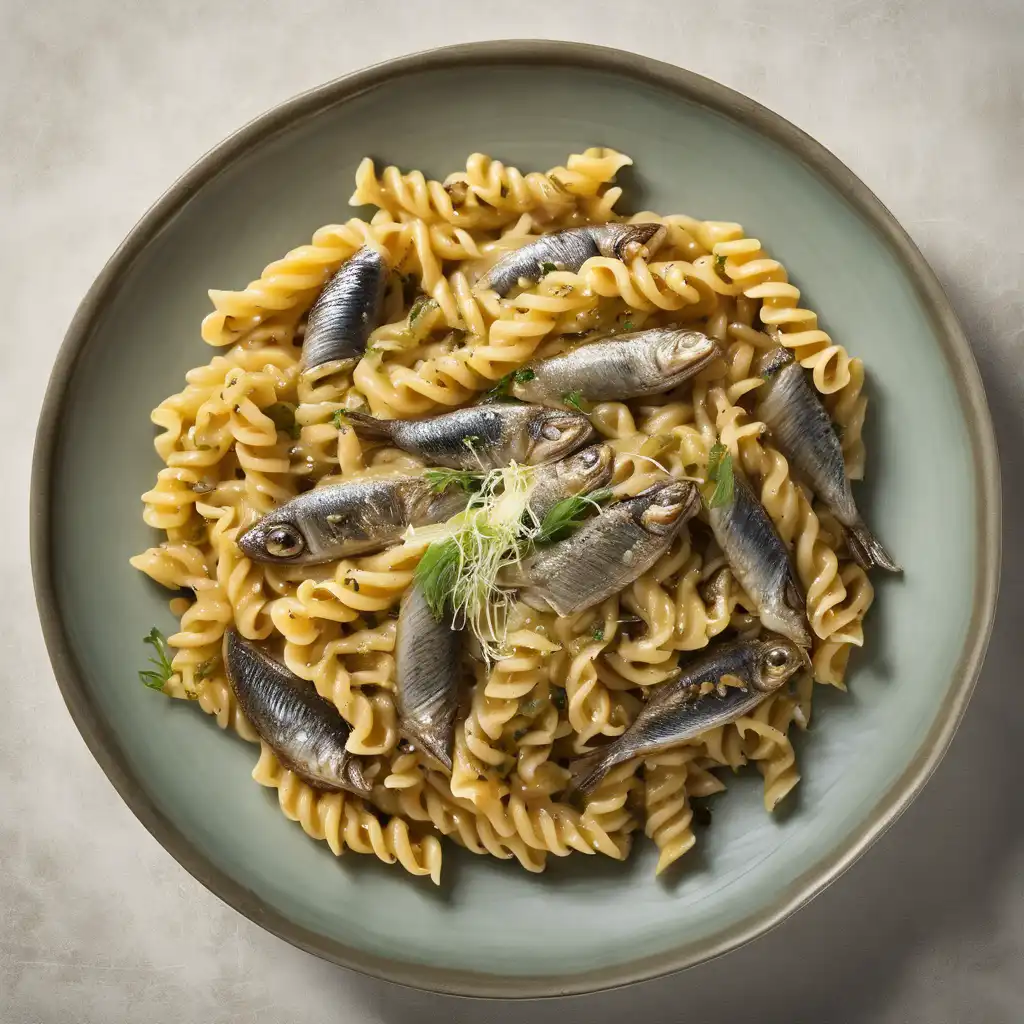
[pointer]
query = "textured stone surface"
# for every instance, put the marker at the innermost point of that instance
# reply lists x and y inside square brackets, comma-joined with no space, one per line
[103,106]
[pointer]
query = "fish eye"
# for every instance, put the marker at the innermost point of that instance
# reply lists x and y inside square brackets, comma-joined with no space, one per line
[284,542]
[550,432]
[589,458]
[778,657]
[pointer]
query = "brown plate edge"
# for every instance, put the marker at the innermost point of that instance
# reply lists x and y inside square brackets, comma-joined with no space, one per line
[688,86]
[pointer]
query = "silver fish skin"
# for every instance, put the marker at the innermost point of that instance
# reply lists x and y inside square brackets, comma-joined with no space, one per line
[569,250]
[581,473]
[345,519]
[347,310]
[427,678]
[607,552]
[760,561]
[482,437]
[304,730]
[627,366]
[677,712]
[801,427]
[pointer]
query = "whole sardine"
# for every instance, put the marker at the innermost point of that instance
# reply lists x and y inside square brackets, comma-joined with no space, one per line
[569,250]
[483,437]
[347,310]
[802,429]
[345,519]
[626,366]
[678,710]
[427,675]
[760,561]
[607,552]
[581,473]
[304,730]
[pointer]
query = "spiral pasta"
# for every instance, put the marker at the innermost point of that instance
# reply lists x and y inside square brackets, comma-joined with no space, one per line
[249,430]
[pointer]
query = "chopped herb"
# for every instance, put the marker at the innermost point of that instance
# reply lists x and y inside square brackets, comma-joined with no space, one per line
[339,419]
[521,376]
[558,696]
[156,677]
[720,473]
[436,574]
[470,440]
[720,263]
[283,417]
[574,399]
[547,268]
[598,634]
[353,582]
[441,480]
[520,733]
[205,669]
[627,325]
[568,515]
[419,308]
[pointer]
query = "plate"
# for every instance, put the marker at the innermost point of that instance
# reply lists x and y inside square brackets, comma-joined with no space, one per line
[588,923]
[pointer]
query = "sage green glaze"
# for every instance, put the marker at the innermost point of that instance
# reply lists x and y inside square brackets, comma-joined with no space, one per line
[492,929]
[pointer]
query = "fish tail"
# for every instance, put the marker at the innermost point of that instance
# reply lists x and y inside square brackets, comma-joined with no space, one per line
[369,427]
[587,772]
[867,550]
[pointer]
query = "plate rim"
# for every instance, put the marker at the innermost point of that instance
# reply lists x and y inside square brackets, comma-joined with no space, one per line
[688,86]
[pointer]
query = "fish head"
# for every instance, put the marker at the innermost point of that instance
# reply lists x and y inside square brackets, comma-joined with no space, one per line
[772,361]
[294,533]
[586,470]
[554,433]
[777,661]
[681,352]
[627,241]
[668,506]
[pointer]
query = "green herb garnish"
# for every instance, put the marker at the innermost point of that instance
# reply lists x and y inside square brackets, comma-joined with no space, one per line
[339,419]
[470,440]
[558,696]
[437,574]
[547,268]
[504,386]
[568,515]
[205,669]
[419,308]
[598,634]
[627,325]
[574,399]
[441,480]
[283,417]
[720,263]
[720,473]
[156,678]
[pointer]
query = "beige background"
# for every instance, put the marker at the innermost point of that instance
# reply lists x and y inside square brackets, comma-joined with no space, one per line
[105,102]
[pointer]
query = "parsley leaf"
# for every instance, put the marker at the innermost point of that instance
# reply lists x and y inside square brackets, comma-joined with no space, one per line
[574,399]
[598,633]
[157,677]
[720,263]
[339,419]
[720,473]
[435,575]
[419,307]
[627,325]
[547,268]
[568,515]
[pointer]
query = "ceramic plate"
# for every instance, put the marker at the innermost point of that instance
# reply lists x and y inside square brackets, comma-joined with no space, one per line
[588,923]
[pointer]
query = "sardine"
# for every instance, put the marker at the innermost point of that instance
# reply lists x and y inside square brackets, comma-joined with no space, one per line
[626,366]
[803,431]
[483,437]
[679,710]
[608,552]
[581,473]
[303,729]
[760,561]
[569,250]
[427,676]
[347,310]
[345,519]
